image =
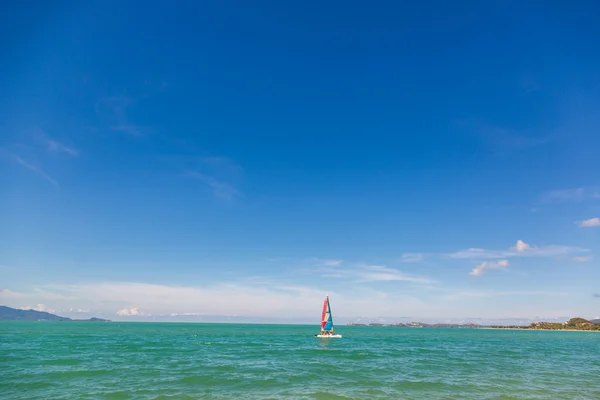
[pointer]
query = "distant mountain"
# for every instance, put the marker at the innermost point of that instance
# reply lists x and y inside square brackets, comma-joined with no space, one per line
[13,314]
[595,321]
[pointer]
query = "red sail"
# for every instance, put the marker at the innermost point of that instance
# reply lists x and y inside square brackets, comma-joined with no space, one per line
[325,316]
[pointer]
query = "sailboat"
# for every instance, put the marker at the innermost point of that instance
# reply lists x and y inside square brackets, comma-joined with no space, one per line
[327,322]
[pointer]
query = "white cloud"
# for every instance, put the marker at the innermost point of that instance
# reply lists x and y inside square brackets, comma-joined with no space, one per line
[40,307]
[481,268]
[521,246]
[411,257]
[581,258]
[590,223]
[130,312]
[520,249]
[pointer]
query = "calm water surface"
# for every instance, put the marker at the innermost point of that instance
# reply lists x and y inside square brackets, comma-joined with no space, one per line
[70,360]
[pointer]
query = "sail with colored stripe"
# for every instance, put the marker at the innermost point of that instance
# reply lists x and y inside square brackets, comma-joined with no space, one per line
[327,319]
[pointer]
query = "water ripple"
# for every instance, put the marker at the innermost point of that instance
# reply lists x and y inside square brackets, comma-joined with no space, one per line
[199,361]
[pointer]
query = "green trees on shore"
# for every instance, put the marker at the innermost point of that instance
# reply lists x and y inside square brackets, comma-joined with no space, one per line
[579,324]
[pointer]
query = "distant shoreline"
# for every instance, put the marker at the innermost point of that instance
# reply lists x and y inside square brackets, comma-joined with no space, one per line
[526,328]
[576,324]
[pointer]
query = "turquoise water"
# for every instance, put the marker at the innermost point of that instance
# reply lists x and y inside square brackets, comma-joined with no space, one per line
[44,360]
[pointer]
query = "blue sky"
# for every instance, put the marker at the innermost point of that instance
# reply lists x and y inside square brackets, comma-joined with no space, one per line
[432,160]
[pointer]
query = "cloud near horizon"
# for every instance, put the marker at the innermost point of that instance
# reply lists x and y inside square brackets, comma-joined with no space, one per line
[130,312]
[278,301]
[135,300]
[39,307]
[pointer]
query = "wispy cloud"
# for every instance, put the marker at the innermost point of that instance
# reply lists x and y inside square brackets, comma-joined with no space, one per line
[222,166]
[37,293]
[327,263]
[56,146]
[498,293]
[597,295]
[37,170]
[221,174]
[590,223]
[573,194]
[53,145]
[502,139]
[372,273]
[219,188]
[581,258]
[114,109]
[34,150]
[520,249]
[412,257]
[5,293]
[485,265]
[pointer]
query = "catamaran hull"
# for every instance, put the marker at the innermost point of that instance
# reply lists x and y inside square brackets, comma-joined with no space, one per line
[329,336]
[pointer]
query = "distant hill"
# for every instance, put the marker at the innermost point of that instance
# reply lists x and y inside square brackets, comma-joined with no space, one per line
[595,321]
[13,314]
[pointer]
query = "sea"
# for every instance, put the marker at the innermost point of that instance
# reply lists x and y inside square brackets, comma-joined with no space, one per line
[119,360]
